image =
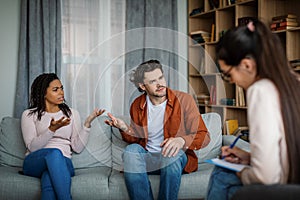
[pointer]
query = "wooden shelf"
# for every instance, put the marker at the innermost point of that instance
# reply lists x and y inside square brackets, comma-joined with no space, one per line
[203,70]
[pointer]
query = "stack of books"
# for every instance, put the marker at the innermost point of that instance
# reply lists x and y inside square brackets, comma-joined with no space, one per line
[284,22]
[200,36]
[295,64]
[202,98]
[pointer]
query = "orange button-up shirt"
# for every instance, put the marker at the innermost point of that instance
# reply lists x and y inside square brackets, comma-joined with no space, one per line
[181,119]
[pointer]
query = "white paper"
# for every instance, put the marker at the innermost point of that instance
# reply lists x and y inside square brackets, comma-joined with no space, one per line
[227,165]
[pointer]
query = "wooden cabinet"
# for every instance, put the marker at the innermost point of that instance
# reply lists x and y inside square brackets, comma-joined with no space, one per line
[209,19]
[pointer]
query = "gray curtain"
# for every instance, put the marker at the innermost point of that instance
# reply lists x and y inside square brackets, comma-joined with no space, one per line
[40,46]
[151,33]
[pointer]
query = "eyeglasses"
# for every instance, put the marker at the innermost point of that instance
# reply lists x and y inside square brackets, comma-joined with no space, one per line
[225,75]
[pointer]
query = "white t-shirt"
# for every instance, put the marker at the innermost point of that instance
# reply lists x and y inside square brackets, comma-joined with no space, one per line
[269,158]
[155,117]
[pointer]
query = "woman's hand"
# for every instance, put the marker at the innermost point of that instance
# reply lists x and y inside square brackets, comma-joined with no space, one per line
[56,124]
[96,113]
[116,122]
[235,155]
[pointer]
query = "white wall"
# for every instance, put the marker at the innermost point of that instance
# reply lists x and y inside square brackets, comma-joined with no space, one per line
[9,40]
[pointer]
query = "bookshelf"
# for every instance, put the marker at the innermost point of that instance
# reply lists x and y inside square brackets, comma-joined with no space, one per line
[205,82]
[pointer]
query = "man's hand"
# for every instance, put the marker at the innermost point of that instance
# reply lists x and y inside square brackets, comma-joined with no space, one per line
[56,124]
[171,146]
[92,116]
[116,122]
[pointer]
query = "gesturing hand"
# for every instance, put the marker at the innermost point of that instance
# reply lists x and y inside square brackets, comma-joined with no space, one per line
[92,116]
[116,122]
[171,146]
[56,124]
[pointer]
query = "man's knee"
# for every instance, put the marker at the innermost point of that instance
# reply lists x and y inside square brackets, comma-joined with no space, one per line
[133,148]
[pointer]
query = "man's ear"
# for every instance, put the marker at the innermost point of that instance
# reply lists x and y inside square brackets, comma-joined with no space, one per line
[142,86]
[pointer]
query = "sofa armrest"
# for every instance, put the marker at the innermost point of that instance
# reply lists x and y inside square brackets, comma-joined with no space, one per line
[228,139]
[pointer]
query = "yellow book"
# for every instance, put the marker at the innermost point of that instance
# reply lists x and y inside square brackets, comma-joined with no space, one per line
[231,126]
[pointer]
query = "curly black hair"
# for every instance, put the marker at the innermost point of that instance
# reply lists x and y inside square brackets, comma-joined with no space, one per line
[38,92]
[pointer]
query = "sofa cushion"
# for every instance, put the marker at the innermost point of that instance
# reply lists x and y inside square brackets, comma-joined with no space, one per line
[214,126]
[212,150]
[91,183]
[12,147]
[98,149]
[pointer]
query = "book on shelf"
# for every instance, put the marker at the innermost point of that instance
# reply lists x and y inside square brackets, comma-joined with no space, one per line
[284,22]
[213,95]
[202,98]
[200,36]
[279,17]
[239,96]
[227,101]
[212,34]
[280,24]
[295,64]
[231,126]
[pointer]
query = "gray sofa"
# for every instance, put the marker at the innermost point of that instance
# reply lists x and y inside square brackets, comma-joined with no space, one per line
[98,168]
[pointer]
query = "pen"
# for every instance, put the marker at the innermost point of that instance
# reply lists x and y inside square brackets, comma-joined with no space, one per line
[232,144]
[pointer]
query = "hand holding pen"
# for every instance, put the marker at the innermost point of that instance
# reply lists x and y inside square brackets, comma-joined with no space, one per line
[234,154]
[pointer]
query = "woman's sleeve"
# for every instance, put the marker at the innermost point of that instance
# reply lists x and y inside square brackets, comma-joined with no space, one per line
[33,140]
[80,133]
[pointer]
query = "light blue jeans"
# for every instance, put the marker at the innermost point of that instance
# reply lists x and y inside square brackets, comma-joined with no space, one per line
[223,184]
[138,163]
[54,170]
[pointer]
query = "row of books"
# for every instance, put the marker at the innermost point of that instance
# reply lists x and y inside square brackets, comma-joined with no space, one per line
[233,128]
[240,99]
[212,98]
[284,22]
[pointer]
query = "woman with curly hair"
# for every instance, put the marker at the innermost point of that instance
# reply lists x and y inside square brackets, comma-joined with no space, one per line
[51,131]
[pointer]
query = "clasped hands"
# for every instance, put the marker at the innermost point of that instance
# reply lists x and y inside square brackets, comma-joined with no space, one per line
[170,146]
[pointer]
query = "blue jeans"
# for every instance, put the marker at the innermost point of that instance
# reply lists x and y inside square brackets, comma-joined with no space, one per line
[138,163]
[223,184]
[55,172]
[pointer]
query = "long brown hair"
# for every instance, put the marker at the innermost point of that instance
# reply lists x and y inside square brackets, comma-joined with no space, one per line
[265,47]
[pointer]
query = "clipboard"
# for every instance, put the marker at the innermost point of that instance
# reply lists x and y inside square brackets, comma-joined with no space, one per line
[228,165]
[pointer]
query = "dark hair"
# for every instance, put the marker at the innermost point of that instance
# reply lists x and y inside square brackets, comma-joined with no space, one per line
[38,92]
[266,49]
[137,76]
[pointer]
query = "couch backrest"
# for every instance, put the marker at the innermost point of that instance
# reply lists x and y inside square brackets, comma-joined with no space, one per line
[105,145]
[98,149]
[212,150]
[96,153]
[12,147]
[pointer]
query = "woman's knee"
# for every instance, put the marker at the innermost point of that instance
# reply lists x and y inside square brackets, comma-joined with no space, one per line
[54,153]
